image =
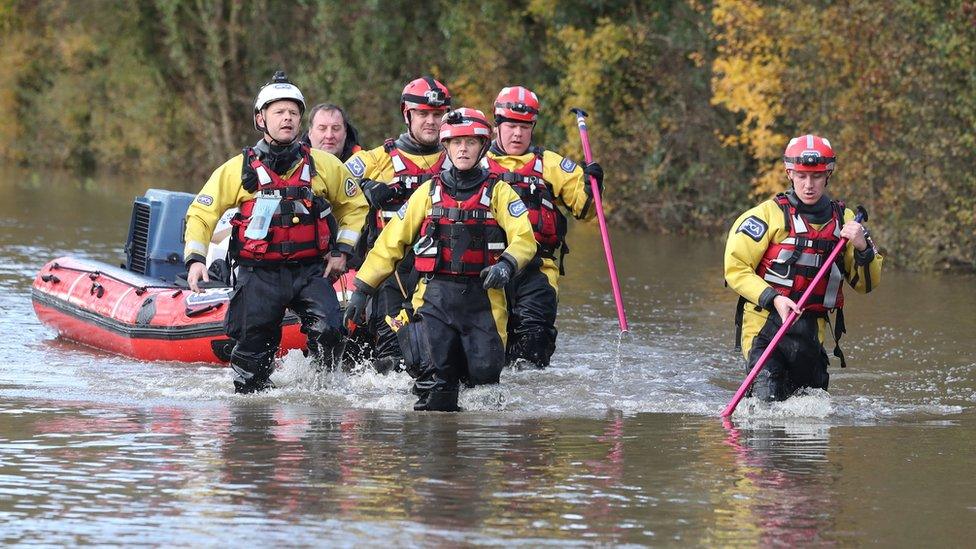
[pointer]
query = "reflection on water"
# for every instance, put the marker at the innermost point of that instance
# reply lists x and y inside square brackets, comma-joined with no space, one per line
[617,443]
[74,472]
[784,473]
[205,470]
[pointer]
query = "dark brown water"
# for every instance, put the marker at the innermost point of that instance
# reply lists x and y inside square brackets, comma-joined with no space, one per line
[618,443]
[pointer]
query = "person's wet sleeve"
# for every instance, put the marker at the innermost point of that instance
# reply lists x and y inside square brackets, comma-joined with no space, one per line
[863,268]
[336,183]
[395,239]
[512,216]
[568,184]
[221,192]
[367,164]
[748,239]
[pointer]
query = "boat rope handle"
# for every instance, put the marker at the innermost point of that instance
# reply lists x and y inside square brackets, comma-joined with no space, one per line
[95,274]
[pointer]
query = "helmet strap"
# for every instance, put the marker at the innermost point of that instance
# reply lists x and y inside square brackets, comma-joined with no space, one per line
[407,119]
[499,120]
[414,137]
[276,143]
[484,149]
[793,186]
[268,137]
[482,152]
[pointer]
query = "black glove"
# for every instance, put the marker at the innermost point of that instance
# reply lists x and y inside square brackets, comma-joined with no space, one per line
[379,194]
[356,308]
[497,275]
[596,171]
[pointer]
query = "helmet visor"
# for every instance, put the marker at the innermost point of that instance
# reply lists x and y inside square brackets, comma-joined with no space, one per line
[434,99]
[520,108]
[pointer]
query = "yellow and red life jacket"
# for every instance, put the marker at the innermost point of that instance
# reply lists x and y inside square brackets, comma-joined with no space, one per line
[302,226]
[789,266]
[459,237]
[548,223]
[407,175]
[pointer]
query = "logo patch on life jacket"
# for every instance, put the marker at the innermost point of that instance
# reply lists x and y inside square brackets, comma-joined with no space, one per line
[567,165]
[517,207]
[205,199]
[402,212]
[351,187]
[754,227]
[356,166]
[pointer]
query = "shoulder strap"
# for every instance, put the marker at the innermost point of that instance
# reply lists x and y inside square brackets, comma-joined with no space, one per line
[839,207]
[307,151]
[784,204]
[249,177]
[490,184]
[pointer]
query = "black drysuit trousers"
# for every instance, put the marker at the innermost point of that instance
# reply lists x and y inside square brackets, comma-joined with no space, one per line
[261,296]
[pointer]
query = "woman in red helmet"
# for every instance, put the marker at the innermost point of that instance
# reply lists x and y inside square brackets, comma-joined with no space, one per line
[470,236]
[772,254]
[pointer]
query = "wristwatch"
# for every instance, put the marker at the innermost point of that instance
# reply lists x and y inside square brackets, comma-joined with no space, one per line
[336,253]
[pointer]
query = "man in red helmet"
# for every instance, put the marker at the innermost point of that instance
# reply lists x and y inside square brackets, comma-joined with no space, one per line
[772,254]
[299,217]
[470,236]
[544,180]
[388,175]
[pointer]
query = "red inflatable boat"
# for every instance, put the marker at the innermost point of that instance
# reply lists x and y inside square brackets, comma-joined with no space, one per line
[134,315]
[140,310]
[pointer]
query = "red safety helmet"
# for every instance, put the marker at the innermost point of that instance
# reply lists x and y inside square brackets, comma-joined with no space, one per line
[464,122]
[516,103]
[809,153]
[425,94]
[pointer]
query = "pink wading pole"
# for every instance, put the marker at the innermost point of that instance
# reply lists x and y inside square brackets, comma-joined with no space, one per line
[862,215]
[588,156]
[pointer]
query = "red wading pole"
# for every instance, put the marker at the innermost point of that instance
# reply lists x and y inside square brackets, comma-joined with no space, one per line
[588,156]
[862,215]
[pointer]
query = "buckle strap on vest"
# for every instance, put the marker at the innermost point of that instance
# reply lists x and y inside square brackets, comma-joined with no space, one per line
[303,192]
[460,214]
[515,177]
[291,220]
[287,248]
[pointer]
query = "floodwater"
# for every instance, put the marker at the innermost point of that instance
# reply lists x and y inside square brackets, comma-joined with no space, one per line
[618,443]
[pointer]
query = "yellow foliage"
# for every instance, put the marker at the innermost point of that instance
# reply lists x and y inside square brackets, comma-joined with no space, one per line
[687,99]
[585,55]
[748,72]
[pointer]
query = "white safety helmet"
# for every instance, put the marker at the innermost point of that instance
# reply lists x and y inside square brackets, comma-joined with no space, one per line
[277,89]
